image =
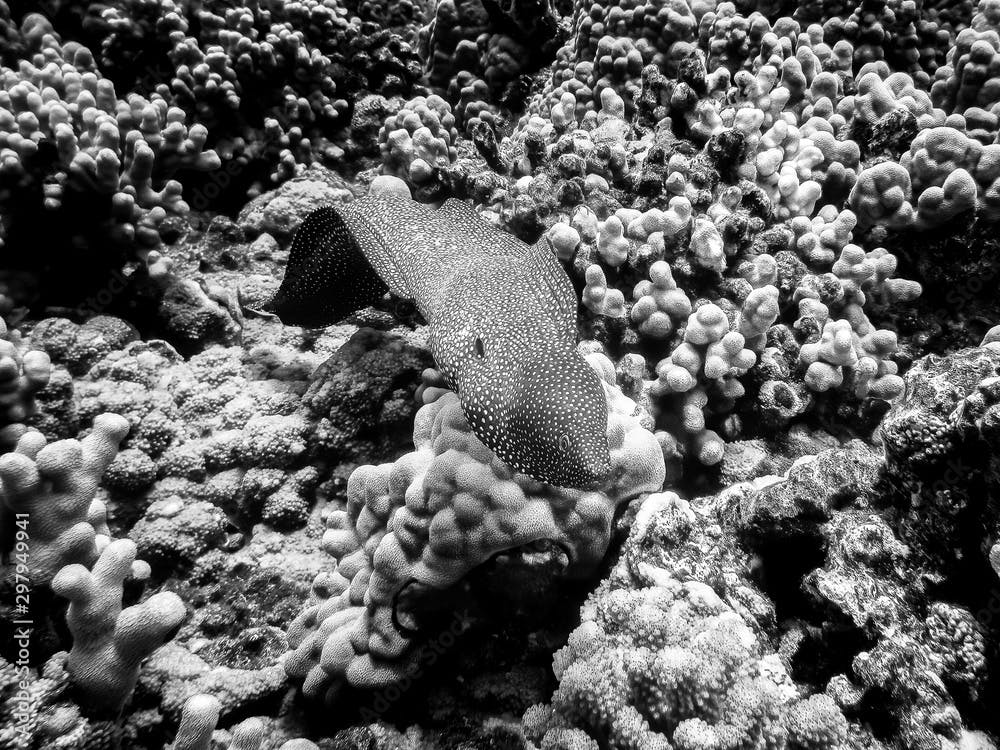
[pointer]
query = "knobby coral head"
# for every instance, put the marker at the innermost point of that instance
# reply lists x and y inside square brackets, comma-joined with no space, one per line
[437,513]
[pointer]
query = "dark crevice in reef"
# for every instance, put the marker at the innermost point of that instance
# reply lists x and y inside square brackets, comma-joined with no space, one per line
[45,612]
[781,566]
[958,265]
[66,17]
[485,646]
[821,641]
[964,587]
[69,259]
[944,507]
[825,650]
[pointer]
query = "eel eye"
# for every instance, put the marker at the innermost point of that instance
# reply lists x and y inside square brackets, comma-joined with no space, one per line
[564,443]
[480,349]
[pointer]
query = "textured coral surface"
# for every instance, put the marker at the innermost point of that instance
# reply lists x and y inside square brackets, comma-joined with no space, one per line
[780,224]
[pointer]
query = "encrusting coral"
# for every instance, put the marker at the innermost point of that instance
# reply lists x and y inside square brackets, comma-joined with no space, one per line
[49,716]
[661,659]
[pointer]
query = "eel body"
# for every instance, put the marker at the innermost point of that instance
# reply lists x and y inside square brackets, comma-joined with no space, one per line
[502,317]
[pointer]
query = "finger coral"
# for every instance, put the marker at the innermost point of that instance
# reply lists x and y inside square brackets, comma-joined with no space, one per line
[109,154]
[417,142]
[52,488]
[495,43]
[772,225]
[794,159]
[201,712]
[109,642]
[269,81]
[23,371]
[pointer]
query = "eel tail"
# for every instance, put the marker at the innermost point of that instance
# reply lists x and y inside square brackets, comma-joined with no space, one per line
[328,276]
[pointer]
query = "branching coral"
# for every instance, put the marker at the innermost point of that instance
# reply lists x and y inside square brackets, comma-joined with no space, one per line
[23,371]
[743,196]
[489,46]
[71,148]
[198,722]
[744,155]
[882,196]
[273,82]
[38,710]
[954,173]
[109,642]
[418,141]
[659,304]
[229,99]
[51,487]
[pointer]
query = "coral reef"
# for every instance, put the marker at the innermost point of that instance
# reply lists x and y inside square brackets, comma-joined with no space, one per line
[662,658]
[684,176]
[429,519]
[73,148]
[52,487]
[228,99]
[23,371]
[779,227]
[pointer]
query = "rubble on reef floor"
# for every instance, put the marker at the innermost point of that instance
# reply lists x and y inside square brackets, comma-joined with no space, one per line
[780,224]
